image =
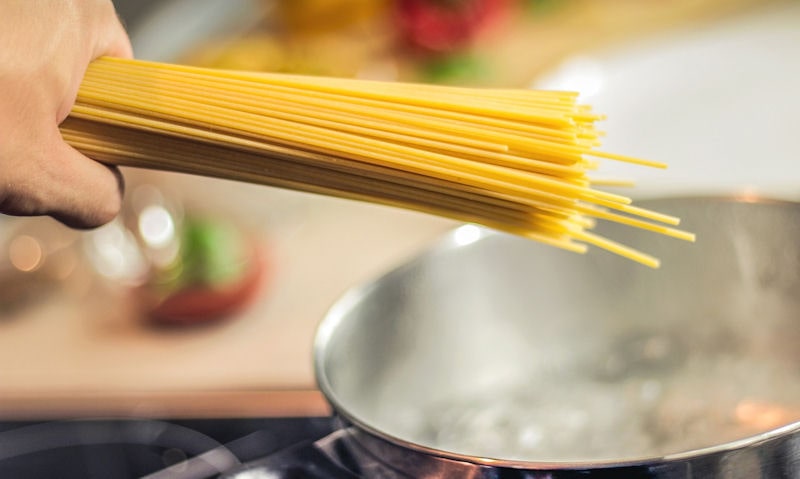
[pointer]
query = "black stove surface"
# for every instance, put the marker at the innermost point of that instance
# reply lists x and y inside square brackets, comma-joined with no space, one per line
[135,448]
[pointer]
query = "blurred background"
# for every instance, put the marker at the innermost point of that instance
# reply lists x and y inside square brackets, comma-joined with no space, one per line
[203,297]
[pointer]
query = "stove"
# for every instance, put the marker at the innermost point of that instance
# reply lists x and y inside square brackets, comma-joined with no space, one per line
[246,448]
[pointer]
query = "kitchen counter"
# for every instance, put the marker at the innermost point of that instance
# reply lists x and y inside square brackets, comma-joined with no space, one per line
[88,349]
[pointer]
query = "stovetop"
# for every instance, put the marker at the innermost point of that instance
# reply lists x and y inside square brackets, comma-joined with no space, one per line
[278,448]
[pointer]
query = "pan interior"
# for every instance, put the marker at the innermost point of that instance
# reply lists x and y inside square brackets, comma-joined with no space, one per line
[507,349]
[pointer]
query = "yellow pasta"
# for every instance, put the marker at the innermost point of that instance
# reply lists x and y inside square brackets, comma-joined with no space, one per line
[513,160]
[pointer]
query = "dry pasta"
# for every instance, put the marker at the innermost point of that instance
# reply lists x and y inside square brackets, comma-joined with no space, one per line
[515,160]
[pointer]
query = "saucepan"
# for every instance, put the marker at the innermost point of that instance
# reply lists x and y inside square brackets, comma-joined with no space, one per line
[492,356]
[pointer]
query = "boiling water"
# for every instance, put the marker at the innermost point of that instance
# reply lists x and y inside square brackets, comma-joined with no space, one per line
[610,410]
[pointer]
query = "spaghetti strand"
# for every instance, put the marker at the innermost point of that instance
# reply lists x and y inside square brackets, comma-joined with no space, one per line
[513,160]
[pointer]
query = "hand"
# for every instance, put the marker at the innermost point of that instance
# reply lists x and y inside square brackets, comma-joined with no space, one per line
[45,47]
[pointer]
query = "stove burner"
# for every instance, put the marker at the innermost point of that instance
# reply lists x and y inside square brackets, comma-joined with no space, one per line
[159,449]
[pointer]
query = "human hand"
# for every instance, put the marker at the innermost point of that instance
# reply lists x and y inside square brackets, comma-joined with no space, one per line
[45,48]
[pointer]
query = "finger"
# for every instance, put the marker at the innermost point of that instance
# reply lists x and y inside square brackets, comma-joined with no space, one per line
[82,192]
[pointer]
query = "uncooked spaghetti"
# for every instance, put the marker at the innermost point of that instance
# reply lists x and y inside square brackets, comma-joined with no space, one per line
[513,160]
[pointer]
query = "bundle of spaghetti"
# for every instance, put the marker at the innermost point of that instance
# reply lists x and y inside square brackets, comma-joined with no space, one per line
[513,160]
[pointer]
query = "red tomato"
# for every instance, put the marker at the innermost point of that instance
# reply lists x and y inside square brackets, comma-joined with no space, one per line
[202,304]
[443,26]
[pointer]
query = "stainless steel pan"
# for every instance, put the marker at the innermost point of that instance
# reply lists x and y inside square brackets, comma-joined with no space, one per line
[492,356]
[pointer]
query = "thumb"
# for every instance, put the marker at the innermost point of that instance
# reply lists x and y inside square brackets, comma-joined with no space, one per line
[113,40]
